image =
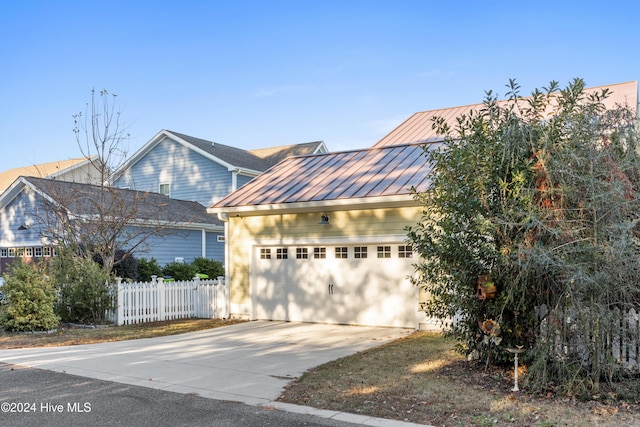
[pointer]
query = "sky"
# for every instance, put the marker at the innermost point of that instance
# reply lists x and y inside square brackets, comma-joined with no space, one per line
[256,74]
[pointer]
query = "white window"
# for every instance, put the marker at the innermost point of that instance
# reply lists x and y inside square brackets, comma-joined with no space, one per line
[265,253]
[319,253]
[165,189]
[46,251]
[405,252]
[302,253]
[342,252]
[4,253]
[282,253]
[12,252]
[37,252]
[28,252]
[384,251]
[220,239]
[360,252]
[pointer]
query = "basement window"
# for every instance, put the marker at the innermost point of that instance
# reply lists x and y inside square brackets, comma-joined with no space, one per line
[282,253]
[302,253]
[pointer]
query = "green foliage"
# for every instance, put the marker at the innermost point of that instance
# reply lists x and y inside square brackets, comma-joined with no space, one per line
[210,267]
[83,286]
[30,299]
[542,194]
[179,270]
[148,268]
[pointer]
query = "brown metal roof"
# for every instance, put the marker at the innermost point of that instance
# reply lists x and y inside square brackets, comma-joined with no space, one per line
[419,127]
[375,172]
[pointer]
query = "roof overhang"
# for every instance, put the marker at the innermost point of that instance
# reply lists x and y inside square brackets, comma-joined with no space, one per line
[380,202]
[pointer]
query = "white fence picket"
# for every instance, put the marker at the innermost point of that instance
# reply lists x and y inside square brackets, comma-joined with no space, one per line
[159,300]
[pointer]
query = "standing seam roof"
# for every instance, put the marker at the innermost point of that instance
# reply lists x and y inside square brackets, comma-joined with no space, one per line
[385,171]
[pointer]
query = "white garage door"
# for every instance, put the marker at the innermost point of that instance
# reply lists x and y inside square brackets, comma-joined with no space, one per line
[345,284]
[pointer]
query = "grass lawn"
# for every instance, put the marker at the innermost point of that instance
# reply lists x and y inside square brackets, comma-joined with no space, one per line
[74,335]
[422,379]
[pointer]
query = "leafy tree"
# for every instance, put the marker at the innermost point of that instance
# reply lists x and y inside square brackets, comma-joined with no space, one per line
[30,299]
[540,193]
[148,268]
[210,267]
[179,270]
[83,286]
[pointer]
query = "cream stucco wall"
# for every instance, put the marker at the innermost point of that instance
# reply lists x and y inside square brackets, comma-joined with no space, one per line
[352,225]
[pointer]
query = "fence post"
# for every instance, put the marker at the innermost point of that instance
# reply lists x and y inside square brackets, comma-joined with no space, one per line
[160,290]
[221,291]
[119,302]
[195,295]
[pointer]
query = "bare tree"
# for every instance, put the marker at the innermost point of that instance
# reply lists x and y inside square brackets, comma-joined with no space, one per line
[100,134]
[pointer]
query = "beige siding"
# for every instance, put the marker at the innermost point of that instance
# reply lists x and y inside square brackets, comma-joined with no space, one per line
[243,231]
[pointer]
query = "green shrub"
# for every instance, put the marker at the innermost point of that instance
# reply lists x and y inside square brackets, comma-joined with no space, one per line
[210,267]
[30,299]
[148,268]
[179,270]
[84,289]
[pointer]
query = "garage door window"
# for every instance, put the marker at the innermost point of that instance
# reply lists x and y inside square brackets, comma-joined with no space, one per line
[405,252]
[384,251]
[265,253]
[282,253]
[302,253]
[360,252]
[319,253]
[342,253]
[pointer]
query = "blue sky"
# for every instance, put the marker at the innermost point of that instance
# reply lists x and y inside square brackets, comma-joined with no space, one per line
[254,74]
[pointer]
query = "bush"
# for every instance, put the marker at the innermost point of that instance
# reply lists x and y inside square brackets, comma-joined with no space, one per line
[179,271]
[30,300]
[210,267]
[84,289]
[148,268]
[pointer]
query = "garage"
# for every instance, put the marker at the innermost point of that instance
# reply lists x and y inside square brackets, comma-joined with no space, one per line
[358,284]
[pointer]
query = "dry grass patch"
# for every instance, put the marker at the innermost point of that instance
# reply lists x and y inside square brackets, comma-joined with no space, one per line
[70,335]
[421,379]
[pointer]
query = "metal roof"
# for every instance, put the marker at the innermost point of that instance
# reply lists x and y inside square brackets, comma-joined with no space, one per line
[374,172]
[419,127]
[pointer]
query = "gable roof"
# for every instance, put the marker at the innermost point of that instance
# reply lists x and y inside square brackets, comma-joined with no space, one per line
[50,169]
[249,162]
[356,178]
[419,127]
[78,199]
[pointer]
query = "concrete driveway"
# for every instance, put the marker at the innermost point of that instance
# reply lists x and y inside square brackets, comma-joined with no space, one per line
[248,362]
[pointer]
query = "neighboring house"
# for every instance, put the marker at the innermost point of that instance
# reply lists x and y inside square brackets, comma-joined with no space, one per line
[190,231]
[188,168]
[419,127]
[321,238]
[74,170]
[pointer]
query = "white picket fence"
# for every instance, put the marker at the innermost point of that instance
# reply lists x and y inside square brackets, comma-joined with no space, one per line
[159,300]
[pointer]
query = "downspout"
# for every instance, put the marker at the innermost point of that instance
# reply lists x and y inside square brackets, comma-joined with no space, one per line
[204,244]
[227,279]
[234,180]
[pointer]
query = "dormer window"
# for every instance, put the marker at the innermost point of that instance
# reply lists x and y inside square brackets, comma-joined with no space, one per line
[165,189]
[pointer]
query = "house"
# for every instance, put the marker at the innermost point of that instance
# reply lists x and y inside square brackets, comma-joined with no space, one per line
[188,168]
[321,238]
[187,231]
[74,170]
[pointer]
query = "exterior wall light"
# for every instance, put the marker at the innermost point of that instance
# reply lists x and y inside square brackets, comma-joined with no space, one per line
[324,219]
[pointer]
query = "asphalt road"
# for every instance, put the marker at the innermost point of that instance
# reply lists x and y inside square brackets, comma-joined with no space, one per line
[34,397]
